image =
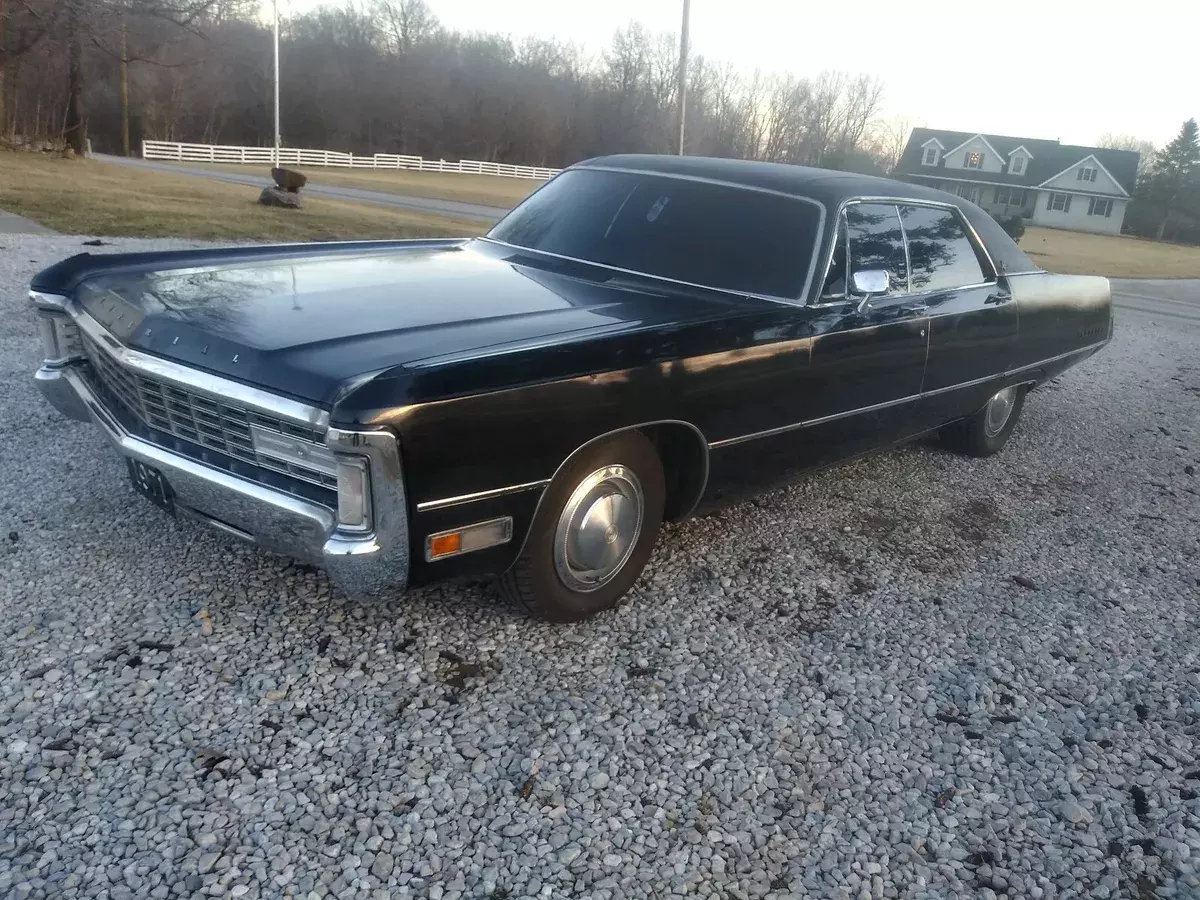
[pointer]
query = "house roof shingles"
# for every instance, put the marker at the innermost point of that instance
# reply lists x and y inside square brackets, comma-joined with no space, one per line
[1049,158]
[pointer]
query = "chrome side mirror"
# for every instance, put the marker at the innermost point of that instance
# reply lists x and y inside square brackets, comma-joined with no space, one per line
[870,283]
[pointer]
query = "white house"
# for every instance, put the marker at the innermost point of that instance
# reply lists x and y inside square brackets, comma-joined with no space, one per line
[1048,183]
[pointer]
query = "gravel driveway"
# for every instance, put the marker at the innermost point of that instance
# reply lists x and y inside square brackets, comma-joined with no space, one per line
[915,676]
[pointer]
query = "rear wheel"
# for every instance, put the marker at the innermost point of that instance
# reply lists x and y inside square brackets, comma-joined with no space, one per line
[593,531]
[988,430]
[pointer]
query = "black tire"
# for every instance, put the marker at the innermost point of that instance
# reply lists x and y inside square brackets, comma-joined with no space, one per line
[974,436]
[534,579]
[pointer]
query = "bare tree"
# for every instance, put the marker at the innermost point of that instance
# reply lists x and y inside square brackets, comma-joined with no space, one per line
[383,75]
[886,141]
[1145,149]
[405,23]
[23,23]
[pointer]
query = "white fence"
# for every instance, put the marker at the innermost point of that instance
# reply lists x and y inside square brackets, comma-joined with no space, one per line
[292,156]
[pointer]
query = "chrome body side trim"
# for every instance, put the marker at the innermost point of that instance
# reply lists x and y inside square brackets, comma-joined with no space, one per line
[430,505]
[808,423]
[200,381]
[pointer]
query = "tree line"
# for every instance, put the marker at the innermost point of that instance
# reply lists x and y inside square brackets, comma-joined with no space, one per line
[388,77]
[1166,200]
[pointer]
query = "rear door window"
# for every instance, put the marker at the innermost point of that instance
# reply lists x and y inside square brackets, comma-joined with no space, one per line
[941,253]
[876,242]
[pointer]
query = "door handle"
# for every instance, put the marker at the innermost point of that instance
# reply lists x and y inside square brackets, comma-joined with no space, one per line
[915,308]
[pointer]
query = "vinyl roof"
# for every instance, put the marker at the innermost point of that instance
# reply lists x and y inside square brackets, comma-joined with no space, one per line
[828,187]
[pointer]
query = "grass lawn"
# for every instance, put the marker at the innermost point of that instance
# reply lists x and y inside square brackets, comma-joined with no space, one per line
[90,197]
[1076,253]
[486,190]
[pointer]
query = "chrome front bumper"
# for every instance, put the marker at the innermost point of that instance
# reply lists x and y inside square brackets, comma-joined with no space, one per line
[360,564]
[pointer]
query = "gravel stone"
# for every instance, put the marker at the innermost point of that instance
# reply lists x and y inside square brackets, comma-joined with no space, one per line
[837,690]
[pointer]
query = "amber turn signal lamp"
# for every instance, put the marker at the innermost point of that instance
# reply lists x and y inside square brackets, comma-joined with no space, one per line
[471,537]
[445,544]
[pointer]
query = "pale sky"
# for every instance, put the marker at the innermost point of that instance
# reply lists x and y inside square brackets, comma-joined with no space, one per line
[1034,68]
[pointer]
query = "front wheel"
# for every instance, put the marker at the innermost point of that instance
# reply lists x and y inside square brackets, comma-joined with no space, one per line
[988,430]
[593,531]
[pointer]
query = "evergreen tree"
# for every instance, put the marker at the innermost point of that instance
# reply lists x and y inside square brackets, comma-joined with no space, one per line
[1175,178]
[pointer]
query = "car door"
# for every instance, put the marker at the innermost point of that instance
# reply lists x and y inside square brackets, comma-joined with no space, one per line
[861,377]
[868,353]
[972,319]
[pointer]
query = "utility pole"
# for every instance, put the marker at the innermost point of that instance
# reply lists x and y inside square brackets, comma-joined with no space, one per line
[124,83]
[683,60]
[275,9]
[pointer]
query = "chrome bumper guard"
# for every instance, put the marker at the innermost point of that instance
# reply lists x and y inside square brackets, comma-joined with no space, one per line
[360,564]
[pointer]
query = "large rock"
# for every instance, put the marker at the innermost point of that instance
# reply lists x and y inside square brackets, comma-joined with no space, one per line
[273,196]
[289,179]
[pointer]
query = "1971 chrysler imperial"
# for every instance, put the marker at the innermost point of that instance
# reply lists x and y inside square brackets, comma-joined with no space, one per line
[643,337]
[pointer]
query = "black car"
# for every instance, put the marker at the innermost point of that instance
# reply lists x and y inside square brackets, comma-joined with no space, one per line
[642,338]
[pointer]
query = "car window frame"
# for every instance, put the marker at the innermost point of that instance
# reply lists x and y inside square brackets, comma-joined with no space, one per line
[801,299]
[987,264]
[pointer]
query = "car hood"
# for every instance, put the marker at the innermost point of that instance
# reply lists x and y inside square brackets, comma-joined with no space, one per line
[309,325]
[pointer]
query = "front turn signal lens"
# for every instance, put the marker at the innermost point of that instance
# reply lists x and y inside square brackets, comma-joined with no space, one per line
[354,493]
[479,536]
[445,544]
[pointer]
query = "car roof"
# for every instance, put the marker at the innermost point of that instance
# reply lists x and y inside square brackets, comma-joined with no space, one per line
[827,186]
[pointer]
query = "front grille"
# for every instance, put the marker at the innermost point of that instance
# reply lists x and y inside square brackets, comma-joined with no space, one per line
[197,419]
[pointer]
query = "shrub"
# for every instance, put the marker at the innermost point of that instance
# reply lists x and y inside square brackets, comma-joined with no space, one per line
[1014,227]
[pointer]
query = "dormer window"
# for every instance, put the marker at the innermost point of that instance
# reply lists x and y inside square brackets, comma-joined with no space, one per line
[1017,166]
[930,158]
[973,160]
[1086,173]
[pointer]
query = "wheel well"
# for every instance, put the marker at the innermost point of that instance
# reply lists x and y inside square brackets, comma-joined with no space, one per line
[684,455]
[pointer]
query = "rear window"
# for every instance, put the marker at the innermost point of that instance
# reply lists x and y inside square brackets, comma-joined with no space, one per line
[708,234]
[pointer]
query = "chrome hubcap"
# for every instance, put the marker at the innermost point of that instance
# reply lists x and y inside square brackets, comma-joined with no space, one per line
[598,528]
[999,408]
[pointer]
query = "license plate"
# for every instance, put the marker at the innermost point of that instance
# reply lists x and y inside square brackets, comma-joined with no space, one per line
[149,482]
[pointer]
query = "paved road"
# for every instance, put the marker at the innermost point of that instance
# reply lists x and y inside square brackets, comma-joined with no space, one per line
[1172,302]
[453,208]
[11,223]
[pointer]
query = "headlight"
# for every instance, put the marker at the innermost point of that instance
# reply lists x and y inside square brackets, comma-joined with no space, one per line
[354,493]
[60,337]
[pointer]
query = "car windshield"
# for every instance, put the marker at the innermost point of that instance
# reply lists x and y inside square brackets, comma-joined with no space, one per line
[714,235]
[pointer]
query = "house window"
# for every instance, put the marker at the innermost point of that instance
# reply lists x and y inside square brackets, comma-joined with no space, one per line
[1086,173]
[967,191]
[1017,166]
[930,157]
[973,160]
[1010,196]
[1099,206]
[1059,202]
